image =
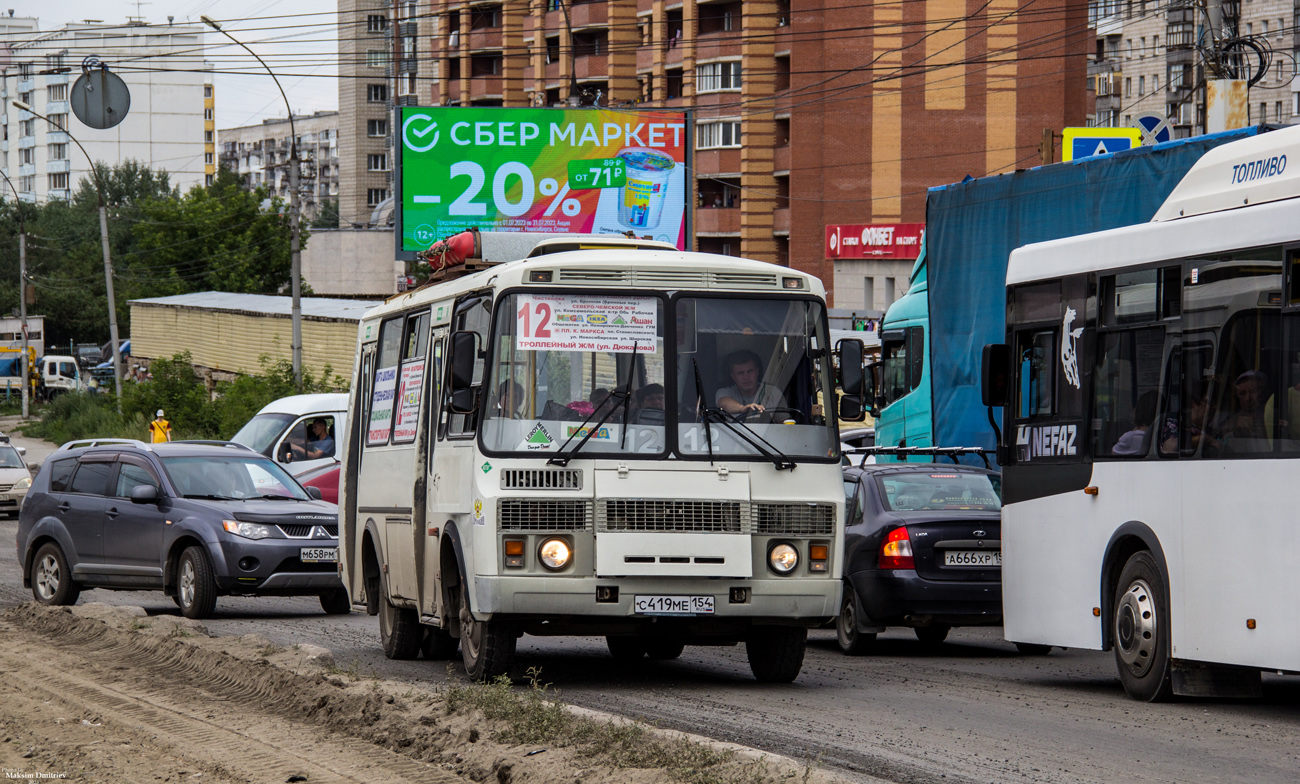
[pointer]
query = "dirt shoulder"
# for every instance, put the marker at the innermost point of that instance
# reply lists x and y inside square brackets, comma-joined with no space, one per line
[100,693]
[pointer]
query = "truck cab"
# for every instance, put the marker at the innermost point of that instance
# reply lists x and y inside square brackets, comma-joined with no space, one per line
[59,373]
[902,380]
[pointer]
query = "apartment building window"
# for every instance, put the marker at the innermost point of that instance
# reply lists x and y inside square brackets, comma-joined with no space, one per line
[27,156]
[207,158]
[208,179]
[27,128]
[376,127]
[714,77]
[377,58]
[209,137]
[410,83]
[207,91]
[59,181]
[485,17]
[1142,86]
[1277,111]
[27,184]
[58,92]
[375,196]
[1142,47]
[26,97]
[376,93]
[377,162]
[585,44]
[1128,87]
[376,23]
[208,114]
[58,122]
[58,152]
[713,135]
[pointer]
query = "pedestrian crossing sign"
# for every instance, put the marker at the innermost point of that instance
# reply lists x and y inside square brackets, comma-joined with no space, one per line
[1086,142]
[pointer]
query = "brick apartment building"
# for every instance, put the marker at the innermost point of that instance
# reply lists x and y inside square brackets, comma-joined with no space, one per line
[808,115]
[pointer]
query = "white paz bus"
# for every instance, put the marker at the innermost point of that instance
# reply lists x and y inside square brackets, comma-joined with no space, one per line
[623,443]
[1150,386]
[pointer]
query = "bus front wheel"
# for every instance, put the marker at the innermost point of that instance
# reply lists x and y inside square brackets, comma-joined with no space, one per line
[776,653]
[486,647]
[1141,630]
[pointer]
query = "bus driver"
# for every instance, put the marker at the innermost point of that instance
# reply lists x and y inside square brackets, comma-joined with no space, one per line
[747,394]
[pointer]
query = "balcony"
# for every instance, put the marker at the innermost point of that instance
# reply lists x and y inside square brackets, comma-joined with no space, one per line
[26,84]
[483,86]
[1181,36]
[485,40]
[26,142]
[782,41]
[717,221]
[590,14]
[719,162]
[781,158]
[592,66]
[781,222]
[55,167]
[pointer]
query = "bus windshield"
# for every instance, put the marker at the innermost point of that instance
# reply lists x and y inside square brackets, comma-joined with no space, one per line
[569,366]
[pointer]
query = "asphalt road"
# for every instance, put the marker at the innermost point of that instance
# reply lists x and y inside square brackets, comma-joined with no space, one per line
[971,710]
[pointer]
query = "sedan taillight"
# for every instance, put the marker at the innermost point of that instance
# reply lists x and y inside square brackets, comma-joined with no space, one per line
[896,551]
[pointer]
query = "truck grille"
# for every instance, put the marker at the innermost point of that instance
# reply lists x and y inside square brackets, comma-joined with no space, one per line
[541,479]
[528,514]
[795,519]
[639,514]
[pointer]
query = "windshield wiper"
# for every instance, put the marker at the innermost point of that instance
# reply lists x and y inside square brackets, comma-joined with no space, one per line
[210,497]
[760,444]
[704,417]
[621,395]
[278,497]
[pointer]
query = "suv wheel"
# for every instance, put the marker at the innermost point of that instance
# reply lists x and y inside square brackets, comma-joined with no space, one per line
[196,588]
[336,602]
[52,581]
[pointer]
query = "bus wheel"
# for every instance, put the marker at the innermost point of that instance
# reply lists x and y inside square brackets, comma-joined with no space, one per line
[487,647]
[852,641]
[399,628]
[1141,630]
[776,652]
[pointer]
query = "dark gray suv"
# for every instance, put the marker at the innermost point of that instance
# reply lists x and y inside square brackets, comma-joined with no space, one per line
[194,520]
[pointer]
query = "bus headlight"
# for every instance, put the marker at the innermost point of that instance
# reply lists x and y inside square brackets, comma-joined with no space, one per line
[783,558]
[555,554]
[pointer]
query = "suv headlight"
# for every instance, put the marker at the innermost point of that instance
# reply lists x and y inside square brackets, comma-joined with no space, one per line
[247,530]
[23,484]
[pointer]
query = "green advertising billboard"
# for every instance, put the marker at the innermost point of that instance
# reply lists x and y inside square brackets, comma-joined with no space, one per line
[555,171]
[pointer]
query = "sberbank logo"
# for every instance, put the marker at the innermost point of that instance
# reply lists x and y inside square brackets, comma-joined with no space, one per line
[420,133]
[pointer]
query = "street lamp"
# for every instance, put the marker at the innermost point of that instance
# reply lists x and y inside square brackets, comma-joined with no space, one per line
[22,284]
[294,242]
[108,262]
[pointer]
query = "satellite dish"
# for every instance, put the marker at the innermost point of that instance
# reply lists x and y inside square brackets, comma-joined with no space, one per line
[100,99]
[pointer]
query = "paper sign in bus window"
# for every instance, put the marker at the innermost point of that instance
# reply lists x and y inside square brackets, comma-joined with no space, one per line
[408,413]
[565,322]
[381,406]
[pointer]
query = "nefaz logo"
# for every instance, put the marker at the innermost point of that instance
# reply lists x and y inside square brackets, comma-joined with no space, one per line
[1046,441]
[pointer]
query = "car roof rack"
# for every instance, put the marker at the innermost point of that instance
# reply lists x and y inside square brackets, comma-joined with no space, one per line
[215,442]
[83,443]
[951,452]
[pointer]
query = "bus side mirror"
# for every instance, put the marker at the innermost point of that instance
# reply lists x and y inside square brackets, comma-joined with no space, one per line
[464,352]
[995,375]
[852,380]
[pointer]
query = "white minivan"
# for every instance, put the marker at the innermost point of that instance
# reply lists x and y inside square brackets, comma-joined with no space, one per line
[284,431]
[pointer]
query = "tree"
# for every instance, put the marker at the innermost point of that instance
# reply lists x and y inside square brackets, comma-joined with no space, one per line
[328,217]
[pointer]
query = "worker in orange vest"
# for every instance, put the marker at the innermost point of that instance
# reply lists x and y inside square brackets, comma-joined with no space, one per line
[160,430]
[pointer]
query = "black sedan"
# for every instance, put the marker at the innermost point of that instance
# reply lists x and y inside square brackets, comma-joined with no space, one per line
[922,549]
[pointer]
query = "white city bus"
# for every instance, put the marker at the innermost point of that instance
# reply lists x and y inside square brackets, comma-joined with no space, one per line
[1151,442]
[529,453]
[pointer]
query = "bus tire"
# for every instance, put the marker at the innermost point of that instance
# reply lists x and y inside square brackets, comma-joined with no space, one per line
[438,644]
[400,632]
[852,642]
[664,650]
[775,653]
[336,602]
[1141,630]
[626,649]
[486,647]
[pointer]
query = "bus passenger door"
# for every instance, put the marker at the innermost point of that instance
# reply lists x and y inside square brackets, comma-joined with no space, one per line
[430,589]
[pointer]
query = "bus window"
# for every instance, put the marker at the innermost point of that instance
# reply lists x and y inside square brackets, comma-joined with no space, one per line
[1126,389]
[410,381]
[1036,373]
[472,315]
[384,390]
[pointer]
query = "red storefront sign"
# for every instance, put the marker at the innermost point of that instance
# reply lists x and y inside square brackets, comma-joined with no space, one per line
[879,241]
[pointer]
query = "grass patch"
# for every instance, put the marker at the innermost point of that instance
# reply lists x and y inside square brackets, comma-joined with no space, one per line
[531,717]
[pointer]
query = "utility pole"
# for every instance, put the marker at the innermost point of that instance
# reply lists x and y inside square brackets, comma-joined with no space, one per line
[22,308]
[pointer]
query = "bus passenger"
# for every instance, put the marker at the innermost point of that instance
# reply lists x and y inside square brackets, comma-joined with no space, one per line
[1242,429]
[1135,442]
[747,393]
[509,400]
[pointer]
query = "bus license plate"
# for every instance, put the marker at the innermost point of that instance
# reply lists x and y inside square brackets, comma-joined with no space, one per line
[984,558]
[672,605]
[319,555]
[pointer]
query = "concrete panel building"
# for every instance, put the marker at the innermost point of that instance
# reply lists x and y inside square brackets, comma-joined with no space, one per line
[352,263]
[259,154]
[169,126]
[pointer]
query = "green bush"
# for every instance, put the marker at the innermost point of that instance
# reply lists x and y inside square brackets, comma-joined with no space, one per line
[180,392]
